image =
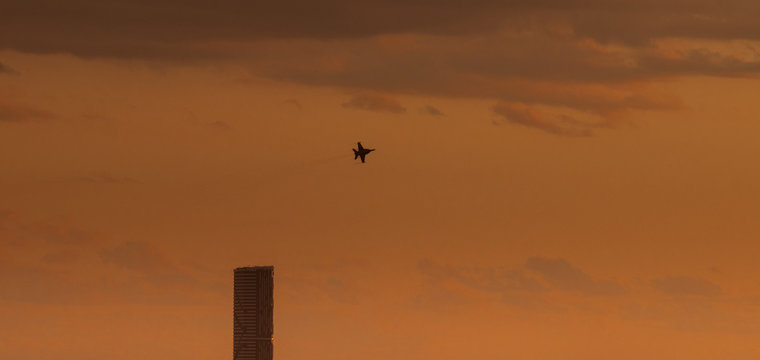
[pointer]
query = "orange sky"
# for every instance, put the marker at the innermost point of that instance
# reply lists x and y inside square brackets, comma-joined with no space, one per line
[552,180]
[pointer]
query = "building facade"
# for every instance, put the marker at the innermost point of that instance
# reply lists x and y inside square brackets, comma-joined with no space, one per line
[253,316]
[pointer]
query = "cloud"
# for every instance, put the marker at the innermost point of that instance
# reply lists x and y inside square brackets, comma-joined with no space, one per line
[220,125]
[5,69]
[58,263]
[486,279]
[134,255]
[147,260]
[12,112]
[160,28]
[563,276]
[375,102]
[647,20]
[515,285]
[119,28]
[591,57]
[18,233]
[593,81]
[37,256]
[524,115]
[686,286]
[431,110]
[295,103]
[340,291]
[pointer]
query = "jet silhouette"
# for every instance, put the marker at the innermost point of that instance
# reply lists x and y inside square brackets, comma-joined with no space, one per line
[361,152]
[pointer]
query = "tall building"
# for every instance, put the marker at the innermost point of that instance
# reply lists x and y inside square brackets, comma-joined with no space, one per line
[253,313]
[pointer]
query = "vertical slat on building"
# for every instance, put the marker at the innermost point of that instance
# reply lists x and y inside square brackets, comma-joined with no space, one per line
[253,313]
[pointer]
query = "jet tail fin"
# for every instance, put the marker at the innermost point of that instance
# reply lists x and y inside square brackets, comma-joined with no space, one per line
[356,154]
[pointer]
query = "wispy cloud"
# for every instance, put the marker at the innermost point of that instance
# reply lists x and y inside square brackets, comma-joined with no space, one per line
[58,263]
[431,110]
[561,275]
[524,115]
[294,103]
[537,275]
[12,112]
[147,260]
[220,125]
[375,102]
[7,70]
[686,286]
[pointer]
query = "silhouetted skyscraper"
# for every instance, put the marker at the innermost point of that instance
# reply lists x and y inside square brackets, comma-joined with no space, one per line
[253,313]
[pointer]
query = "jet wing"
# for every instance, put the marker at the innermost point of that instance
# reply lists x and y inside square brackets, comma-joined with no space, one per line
[363,155]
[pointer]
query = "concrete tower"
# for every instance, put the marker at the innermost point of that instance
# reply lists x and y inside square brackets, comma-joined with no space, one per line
[253,313]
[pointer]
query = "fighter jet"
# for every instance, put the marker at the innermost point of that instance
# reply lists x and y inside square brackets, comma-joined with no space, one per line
[361,152]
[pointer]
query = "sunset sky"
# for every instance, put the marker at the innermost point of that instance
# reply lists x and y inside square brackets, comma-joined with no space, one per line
[554,179]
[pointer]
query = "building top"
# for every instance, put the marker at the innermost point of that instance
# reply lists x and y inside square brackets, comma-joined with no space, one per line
[254,268]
